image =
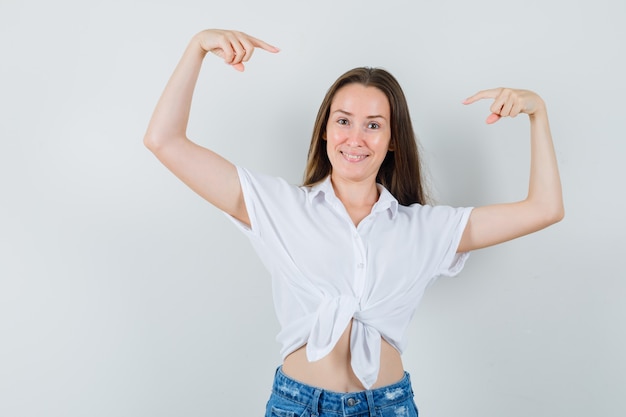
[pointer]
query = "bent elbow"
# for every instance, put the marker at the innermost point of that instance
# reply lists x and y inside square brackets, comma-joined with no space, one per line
[155,142]
[558,210]
[554,215]
[150,142]
[561,214]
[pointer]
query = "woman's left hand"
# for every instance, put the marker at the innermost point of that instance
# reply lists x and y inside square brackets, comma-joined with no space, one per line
[508,102]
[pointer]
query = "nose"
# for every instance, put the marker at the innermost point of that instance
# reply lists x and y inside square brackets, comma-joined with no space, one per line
[355,137]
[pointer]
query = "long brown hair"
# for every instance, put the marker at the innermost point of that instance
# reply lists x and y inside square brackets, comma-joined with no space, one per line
[400,171]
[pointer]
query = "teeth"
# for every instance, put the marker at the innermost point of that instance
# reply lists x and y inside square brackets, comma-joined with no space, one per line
[353,157]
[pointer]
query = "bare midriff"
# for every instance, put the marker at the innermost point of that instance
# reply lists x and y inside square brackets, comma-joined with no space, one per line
[334,372]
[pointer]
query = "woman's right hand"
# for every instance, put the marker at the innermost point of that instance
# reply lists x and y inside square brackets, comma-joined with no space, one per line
[232,46]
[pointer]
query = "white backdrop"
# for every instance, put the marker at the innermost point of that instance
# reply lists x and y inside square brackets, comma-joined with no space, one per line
[122,293]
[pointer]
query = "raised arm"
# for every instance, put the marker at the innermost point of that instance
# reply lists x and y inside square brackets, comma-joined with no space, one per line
[208,174]
[493,224]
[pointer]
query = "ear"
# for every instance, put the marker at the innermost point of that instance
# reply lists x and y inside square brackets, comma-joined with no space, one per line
[324,135]
[391,147]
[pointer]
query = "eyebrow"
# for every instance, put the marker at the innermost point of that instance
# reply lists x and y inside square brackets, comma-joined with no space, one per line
[347,113]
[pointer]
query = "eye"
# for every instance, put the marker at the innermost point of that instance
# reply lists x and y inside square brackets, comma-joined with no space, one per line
[373,125]
[342,121]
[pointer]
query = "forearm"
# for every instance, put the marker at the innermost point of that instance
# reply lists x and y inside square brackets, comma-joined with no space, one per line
[171,115]
[544,190]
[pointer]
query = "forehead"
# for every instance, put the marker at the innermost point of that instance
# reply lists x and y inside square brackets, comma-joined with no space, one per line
[362,100]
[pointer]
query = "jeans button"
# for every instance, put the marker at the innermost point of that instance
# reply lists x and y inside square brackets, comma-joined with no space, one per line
[351,402]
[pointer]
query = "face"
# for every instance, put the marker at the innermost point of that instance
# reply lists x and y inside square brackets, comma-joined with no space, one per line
[358,132]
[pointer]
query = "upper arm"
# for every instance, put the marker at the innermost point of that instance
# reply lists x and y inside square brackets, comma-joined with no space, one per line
[498,223]
[208,174]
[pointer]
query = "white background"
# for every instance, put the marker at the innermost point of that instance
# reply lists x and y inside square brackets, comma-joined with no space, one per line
[122,293]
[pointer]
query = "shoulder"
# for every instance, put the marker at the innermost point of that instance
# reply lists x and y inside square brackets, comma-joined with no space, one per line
[264,180]
[264,186]
[433,215]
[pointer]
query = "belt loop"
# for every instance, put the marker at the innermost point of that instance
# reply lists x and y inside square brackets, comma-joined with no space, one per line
[315,404]
[370,403]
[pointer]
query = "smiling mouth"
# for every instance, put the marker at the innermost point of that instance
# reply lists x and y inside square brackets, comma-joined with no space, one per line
[353,158]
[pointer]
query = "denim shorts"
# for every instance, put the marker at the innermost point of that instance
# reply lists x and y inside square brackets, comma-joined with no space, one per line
[291,398]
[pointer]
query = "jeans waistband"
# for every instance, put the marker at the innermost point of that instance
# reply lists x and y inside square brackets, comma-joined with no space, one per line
[321,400]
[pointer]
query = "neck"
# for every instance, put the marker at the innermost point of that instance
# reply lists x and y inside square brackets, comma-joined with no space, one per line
[355,194]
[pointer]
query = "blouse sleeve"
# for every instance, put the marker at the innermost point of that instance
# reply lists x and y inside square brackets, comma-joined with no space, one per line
[266,197]
[453,262]
[250,200]
[440,232]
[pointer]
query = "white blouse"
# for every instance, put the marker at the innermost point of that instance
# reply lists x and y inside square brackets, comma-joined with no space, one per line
[326,272]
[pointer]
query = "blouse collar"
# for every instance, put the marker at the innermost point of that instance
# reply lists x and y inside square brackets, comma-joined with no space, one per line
[324,189]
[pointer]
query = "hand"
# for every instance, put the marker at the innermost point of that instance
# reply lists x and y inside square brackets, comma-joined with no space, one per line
[233,47]
[508,102]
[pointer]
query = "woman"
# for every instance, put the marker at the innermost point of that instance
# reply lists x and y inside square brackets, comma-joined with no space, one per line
[352,250]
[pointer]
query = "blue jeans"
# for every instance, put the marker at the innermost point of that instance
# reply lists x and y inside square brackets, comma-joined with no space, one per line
[291,398]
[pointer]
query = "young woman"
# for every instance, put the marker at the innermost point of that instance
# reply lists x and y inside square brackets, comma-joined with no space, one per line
[352,250]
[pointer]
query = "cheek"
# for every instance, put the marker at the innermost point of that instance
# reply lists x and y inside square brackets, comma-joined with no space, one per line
[332,135]
[383,140]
